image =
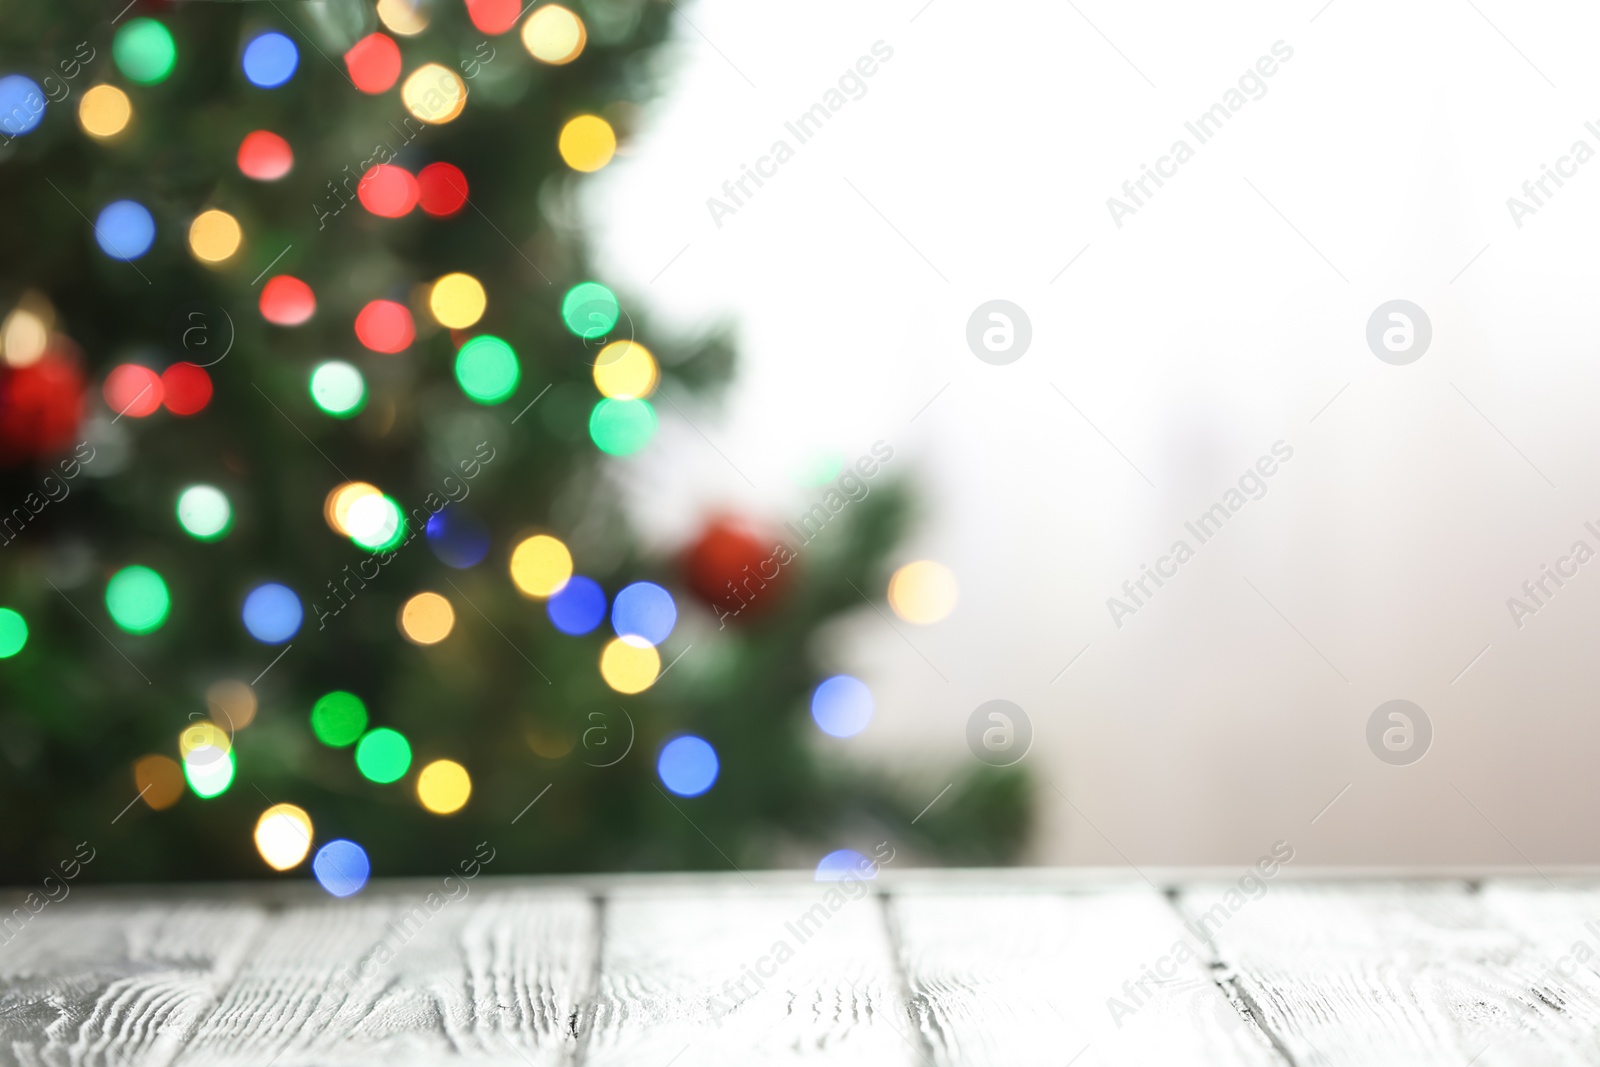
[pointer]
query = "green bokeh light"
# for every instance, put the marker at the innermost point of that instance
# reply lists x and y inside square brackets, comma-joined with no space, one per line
[204,512]
[138,600]
[144,51]
[486,368]
[13,633]
[622,427]
[339,389]
[209,771]
[338,718]
[383,755]
[376,523]
[590,309]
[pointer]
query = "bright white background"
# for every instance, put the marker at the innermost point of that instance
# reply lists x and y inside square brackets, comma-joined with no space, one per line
[1229,712]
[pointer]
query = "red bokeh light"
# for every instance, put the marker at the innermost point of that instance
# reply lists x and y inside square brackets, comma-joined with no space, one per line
[265,156]
[385,326]
[374,63]
[186,388]
[132,390]
[41,404]
[493,16]
[388,191]
[443,189]
[287,301]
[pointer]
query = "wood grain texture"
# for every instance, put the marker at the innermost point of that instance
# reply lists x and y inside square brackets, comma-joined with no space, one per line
[1398,973]
[673,960]
[493,978]
[1014,979]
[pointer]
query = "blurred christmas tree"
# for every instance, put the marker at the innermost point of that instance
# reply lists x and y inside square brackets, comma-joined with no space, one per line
[306,411]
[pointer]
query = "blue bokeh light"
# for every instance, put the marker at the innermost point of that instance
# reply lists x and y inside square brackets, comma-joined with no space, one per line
[579,607]
[687,765]
[645,610]
[341,867]
[21,105]
[272,613]
[457,537]
[270,60]
[125,229]
[845,863]
[842,706]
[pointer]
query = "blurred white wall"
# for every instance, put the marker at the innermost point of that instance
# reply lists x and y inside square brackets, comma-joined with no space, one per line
[1220,318]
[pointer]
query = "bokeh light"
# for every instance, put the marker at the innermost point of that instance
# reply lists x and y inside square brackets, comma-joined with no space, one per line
[645,610]
[203,734]
[622,427]
[144,51]
[540,565]
[434,94]
[340,499]
[338,389]
[383,755]
[104,111]
[494,16]
[587,143]
[630,664]
[137,599]
[159,781]
[487,369]
[687,765]
[427,619]
[338,718]
[185,389]
[287,301]
[22,104]
[443,786]
[132,390]
[232,704]
[13,632]
[844,863]
[209,771]
[590,310]
[385,326]
[625,370]
[265,156]
[341,867]
[124,230]
[842,706]
[578,607]
[442,189]
[375,522]
[283,836]
[270,60]
[457,537]
[25,333]
[204,512]
[923,592]
[554,34]
[388,191]
[457,300]
[272,613]
[374,63]
[214,236]
[405,17]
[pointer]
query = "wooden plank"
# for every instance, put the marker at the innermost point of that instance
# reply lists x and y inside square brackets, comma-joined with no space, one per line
[725,975]
[1412,973]
[108,985]
[493,977]
[1018,978]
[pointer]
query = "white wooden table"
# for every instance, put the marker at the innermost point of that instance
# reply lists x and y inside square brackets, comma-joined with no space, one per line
[938,968]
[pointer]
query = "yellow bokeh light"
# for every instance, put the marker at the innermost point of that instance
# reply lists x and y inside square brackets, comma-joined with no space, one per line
[587,143]
[214,236]
[283,836]
[540,566]
[444,786]
[159,780]
[457,301]
[427,619]
[554,35]
[336,506]
[104,111]
[203,734]
[625,370]
[433,93]
[23,337]
[630,664]
[923,592]
[404,17]
[232,704]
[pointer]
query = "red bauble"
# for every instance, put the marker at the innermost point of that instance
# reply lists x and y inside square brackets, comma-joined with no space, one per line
[41,405]
[735,570]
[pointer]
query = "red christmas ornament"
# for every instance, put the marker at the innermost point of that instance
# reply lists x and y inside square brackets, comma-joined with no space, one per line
[41,404]
[735,571]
